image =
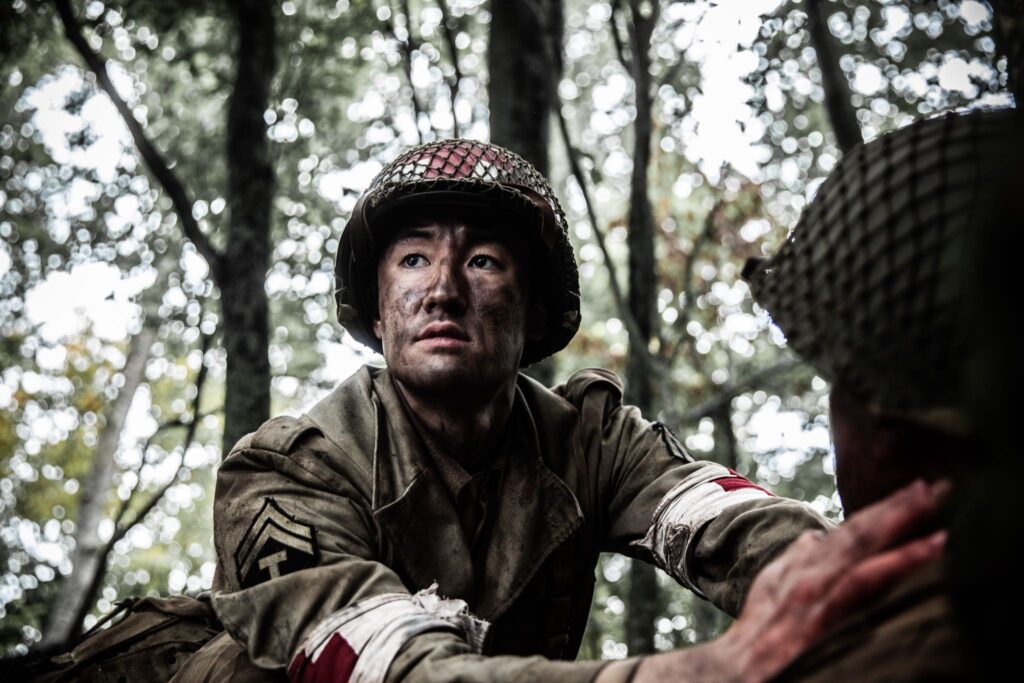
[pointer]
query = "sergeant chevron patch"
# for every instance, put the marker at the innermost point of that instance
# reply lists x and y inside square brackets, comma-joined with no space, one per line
[275,544]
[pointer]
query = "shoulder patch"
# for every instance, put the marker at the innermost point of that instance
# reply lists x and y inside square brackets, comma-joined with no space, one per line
[280,433]
[275,544]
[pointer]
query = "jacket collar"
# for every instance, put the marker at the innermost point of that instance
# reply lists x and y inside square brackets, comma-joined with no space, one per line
[536,511]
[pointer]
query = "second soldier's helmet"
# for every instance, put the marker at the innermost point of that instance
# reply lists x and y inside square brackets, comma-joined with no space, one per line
[869,287]
[473,179]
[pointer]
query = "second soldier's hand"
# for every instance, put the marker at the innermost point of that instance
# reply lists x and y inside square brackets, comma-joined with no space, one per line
[820,579]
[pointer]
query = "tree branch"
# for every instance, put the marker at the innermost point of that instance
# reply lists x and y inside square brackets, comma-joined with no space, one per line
[167,179]
[121,529]
[689,282]
[170,424]
[733,389]
[636,336]
[641,237]
[190,433]
[840,109]
[406,47]
[613,278]
[620,48]
[453,84]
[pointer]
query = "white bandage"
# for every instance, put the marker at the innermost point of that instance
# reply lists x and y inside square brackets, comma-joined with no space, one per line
[690,504]
[377,628]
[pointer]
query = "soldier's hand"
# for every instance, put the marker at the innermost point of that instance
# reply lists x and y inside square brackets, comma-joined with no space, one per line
[820,579]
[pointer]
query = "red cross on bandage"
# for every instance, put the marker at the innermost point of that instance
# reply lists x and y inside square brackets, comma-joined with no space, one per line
[738,481]
[333,664]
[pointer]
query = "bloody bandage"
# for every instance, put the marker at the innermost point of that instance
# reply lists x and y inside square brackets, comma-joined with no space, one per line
[358,643]
[690,504]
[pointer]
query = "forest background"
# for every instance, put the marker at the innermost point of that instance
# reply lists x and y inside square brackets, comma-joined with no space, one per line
[174,177]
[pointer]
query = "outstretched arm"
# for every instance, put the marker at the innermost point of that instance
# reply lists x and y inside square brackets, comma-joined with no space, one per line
[704,524]
[811,587]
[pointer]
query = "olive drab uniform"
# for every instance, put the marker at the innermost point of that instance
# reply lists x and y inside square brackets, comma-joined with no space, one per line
[910,634]
[150,639]
[339,546]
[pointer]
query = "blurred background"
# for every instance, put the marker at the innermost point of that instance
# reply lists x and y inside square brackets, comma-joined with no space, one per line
[174,177]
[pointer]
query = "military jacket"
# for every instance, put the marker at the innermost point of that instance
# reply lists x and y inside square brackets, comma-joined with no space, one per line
[909,634]
[339,547]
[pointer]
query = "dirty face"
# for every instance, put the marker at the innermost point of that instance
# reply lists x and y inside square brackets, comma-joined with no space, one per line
[453,307]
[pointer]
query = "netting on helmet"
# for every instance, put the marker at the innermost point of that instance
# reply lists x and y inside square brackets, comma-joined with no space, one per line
[453,163]
[867,286]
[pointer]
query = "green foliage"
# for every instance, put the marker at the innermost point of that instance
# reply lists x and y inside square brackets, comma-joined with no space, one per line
[903,60]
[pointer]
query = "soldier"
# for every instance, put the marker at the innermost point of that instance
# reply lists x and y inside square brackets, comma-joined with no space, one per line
[870,288]
[449,507]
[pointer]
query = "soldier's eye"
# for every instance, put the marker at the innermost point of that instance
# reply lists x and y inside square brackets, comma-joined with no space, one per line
[483,261]
[414,260]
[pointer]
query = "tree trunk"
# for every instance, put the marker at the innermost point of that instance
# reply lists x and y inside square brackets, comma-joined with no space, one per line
[240,271]
[643,605]
[247,252]
[525,36]
[525,40]
[708,620]
[62,624]
[841,111]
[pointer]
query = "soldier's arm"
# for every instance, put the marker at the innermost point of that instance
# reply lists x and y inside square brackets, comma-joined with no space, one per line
[303,587]
[707,526]
[294,541]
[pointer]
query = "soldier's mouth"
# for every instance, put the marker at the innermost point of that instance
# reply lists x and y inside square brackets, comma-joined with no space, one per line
[443,332]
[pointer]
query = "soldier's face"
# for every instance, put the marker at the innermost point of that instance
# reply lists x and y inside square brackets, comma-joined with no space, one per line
[453,307]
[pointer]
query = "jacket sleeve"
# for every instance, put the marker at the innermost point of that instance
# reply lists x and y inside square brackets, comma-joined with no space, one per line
[704,524]
[302,585]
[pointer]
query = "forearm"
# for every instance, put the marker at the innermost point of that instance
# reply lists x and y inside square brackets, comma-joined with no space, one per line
[713,531]
[734,548]
[699,664]
[420,637]
[440,657]
[724,660]
[705,525]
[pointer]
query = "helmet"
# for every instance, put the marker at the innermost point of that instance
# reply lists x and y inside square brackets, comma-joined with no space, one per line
[868,286]
[470,177]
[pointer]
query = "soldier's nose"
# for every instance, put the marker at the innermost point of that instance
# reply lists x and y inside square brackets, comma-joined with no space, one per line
[447,288]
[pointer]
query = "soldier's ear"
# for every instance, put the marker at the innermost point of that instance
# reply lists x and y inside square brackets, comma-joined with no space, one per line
[377,329]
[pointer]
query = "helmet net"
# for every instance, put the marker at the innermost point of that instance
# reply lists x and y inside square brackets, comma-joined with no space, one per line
[868,285]
[455,163]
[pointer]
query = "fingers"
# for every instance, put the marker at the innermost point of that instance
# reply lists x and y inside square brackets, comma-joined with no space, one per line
[883,524]
[873,575]
[822,578]
[830,573]
[861,552]
[816,561]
